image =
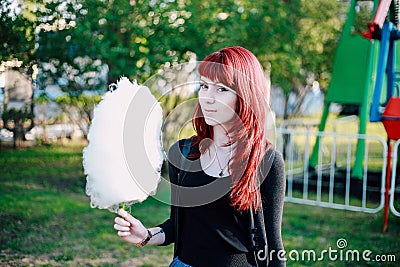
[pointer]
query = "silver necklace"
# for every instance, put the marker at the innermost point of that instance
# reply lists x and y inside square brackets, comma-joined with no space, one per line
[219,164]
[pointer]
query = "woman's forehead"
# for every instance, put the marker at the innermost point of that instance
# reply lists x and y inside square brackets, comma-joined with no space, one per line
[207,80]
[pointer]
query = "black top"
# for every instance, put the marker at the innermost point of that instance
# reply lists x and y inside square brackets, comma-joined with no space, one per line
[215,233]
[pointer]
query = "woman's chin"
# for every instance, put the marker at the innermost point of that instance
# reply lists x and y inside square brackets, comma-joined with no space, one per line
[210,121]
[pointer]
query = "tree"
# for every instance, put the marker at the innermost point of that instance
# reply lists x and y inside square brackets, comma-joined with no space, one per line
[17,32]
[295,38]
[87,44]
[129,37]
[117,38]
[19,122]
[134,38]
[79,109]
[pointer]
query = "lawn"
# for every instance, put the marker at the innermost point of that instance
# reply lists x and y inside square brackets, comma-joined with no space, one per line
[46,220]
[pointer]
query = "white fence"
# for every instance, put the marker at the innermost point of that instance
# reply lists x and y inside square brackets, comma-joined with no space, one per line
[329,183]
[395,177]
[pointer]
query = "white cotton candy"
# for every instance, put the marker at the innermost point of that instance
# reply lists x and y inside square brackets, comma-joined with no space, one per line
[124,143]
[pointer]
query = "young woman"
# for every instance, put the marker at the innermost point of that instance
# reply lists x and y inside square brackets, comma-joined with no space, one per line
[234,173]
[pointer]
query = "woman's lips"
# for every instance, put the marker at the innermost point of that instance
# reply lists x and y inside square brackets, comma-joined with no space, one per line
[210,110]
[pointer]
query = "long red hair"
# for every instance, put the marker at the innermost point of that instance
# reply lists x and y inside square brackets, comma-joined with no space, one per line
[239,69]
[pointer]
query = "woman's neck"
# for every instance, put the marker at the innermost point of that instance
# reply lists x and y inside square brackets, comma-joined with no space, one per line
[220,137]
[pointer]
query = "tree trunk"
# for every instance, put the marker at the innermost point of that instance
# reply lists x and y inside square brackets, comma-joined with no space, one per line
[18,138]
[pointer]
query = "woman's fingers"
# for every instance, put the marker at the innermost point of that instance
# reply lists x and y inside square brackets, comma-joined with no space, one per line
[122,225]
[120,221]
[128,217]
[123,234]
[129,228]
[122,212]
[119,227]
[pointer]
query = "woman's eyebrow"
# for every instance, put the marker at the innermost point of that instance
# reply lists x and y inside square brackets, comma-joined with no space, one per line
[215,83]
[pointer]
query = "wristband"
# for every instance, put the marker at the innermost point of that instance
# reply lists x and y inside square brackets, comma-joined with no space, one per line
[145,240]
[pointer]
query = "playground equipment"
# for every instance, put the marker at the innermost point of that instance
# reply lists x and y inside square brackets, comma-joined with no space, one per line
[385,29]
[391,118]
[358,60]
[391,121]
[351,82]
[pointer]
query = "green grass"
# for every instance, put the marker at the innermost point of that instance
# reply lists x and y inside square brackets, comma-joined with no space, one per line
[46,220]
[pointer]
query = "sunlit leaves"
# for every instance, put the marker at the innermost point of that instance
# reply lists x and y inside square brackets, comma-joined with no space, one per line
[296,38]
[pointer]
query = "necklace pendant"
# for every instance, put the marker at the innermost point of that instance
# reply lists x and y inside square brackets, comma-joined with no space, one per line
[221,173]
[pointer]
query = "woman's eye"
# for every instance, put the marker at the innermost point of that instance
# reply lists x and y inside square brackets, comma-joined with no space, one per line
[222,89]
[203,86]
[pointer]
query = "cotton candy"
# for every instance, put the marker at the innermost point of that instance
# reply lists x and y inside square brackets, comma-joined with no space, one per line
[122,161]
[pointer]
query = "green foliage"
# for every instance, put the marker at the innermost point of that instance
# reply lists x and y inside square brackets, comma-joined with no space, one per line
[76,39]
[16,116]
[79,108]
[363,17]
[295,39]
[42,99]
[129,36]
[17,34]
[85,102]
[19,122]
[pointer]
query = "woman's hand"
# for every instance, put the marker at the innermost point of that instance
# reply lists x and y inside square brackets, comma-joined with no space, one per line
[129,228]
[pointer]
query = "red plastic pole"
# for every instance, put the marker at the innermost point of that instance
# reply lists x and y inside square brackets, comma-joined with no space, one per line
[387,187]
[381,13]
[379,18]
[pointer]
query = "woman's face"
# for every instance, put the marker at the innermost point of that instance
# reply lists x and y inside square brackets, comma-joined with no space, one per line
[217,102]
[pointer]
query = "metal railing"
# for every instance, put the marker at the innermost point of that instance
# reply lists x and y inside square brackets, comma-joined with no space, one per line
[394,179]
[330,183]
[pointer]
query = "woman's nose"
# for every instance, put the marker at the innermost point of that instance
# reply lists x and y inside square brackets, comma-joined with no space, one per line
[209,96]
[210,99]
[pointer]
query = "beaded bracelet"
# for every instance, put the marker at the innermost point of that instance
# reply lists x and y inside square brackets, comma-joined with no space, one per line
[145,240]
[148,237]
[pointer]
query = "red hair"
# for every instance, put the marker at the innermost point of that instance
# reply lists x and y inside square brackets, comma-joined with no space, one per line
[239,69]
